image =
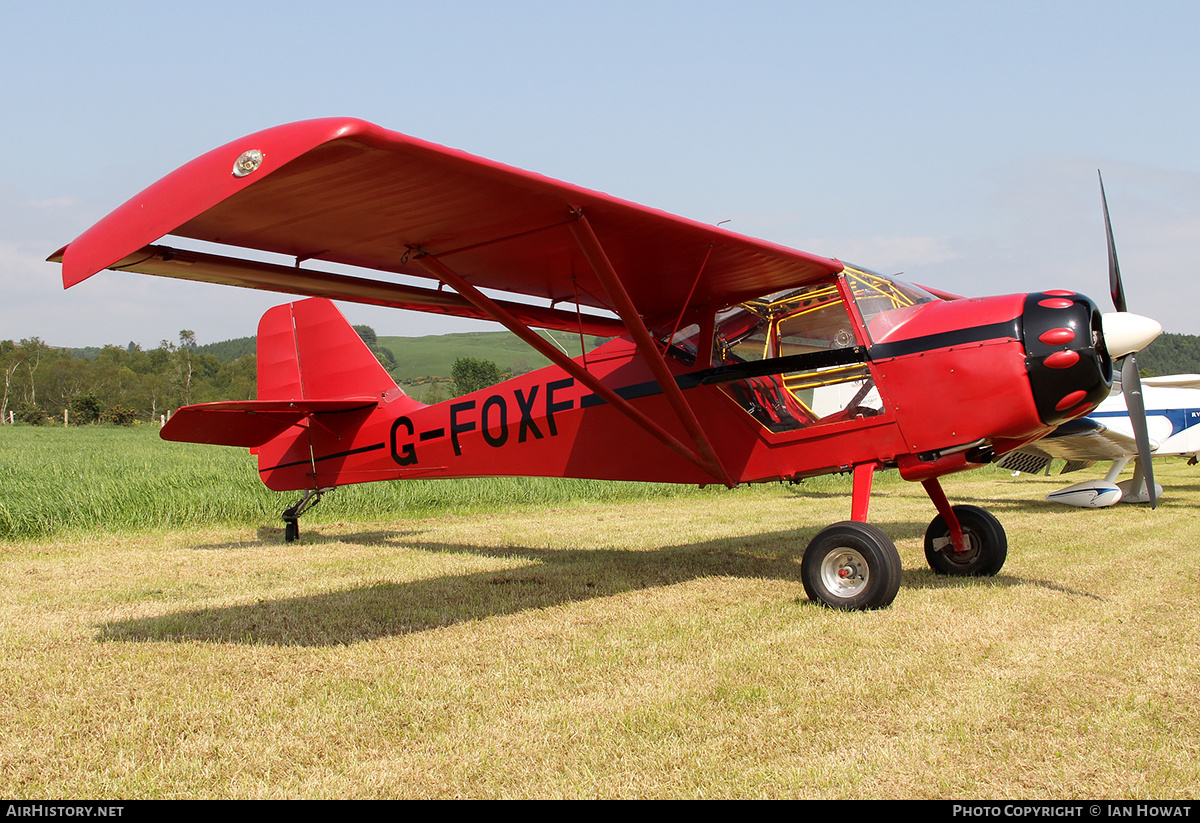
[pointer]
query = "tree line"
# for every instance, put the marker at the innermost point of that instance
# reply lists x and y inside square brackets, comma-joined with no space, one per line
[1170,354]
[115,384]
[122,385]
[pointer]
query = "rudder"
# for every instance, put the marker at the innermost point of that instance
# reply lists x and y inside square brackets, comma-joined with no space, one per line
[317,381]
[309,354]
[308,351]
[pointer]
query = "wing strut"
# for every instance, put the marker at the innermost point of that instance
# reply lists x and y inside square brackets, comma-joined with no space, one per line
[623,305]
[501,315]
[185,264]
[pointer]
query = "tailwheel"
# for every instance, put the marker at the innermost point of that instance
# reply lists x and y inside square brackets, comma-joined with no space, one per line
[291,515]
[851,566]
[985,546]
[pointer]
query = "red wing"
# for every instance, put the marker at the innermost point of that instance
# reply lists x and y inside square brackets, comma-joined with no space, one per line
[346,191]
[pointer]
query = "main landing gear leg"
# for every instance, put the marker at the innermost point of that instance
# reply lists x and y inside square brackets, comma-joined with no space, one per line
[291,516]
[963,541]
[852,565]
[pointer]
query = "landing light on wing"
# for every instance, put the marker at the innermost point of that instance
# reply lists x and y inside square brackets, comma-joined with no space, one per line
[1125,332]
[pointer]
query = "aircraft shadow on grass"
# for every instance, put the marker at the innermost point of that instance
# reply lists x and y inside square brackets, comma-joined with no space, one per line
[272,535]
[557,577]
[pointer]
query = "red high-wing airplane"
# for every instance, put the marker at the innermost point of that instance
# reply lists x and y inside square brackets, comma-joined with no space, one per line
[734,360]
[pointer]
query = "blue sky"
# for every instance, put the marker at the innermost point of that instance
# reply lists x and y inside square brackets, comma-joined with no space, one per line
[956,142]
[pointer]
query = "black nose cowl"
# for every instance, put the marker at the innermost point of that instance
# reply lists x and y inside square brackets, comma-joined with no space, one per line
[1069,368]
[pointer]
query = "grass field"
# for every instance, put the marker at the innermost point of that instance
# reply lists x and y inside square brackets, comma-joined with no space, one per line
[640,646]
[94,479]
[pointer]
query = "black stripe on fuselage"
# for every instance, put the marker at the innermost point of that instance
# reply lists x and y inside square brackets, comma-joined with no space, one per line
[363,450]
[1008,329]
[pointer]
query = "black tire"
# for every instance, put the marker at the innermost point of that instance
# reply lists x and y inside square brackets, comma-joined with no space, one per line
[851,566]
[291,532]
[986,544]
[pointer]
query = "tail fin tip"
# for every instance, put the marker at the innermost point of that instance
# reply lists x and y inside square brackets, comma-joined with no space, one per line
[307,350]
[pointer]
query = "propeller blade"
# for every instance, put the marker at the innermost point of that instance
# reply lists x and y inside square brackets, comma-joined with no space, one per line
[1131,387]
[1130,333]
[1115,287]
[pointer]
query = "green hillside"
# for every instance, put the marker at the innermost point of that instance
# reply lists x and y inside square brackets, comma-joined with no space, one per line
[1170,354]
[228,350]
[434,355]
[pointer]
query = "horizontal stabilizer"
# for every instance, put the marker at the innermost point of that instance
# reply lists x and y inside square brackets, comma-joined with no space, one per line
[251,423]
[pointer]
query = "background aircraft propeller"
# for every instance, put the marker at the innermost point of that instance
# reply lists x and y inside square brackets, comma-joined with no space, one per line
[1125,337]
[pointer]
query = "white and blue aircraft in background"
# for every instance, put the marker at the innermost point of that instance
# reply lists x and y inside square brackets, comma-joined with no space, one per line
[1172,406]
[1140,418]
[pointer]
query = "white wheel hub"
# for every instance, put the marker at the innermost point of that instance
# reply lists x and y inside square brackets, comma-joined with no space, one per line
[844,572]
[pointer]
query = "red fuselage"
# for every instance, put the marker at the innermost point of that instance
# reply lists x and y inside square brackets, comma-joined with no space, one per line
[952,384]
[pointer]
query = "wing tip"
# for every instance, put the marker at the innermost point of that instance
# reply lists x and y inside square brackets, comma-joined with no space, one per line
[75,264]
[150,214]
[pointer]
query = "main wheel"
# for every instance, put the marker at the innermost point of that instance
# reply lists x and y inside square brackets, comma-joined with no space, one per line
[985,544]
[851,565]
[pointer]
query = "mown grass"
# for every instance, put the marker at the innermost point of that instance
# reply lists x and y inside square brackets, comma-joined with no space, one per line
[652,648]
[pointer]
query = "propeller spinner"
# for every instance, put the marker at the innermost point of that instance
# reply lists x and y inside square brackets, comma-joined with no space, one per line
[1125,334]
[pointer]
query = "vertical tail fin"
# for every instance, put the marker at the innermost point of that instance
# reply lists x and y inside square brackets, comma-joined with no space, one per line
[308,356]
[318,383]
[307,351]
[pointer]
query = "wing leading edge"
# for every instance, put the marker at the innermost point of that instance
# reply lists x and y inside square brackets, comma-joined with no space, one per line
[348,192]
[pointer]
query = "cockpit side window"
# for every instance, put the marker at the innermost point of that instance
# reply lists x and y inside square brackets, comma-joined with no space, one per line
[780,326]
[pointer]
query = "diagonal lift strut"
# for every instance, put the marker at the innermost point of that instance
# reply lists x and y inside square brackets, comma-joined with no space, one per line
[700,453]
[625,309]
